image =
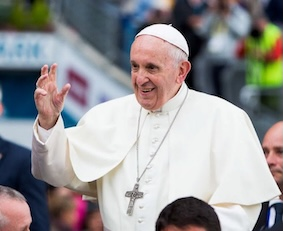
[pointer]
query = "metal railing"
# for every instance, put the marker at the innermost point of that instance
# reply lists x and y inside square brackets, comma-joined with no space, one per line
[97,21]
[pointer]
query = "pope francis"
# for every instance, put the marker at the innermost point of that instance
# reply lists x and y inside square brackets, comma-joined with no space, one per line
[138,153]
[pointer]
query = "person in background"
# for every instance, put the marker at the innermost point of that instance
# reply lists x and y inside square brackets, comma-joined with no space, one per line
[14,210]
[224,23]
[93,221]
[253,7]
[187,16]
[137,153]
[188,214]
[63,211]
[67,209]
[263,52]
[15,172]
[272,145]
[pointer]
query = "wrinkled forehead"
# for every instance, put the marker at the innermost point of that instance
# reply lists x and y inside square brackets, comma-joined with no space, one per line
[167,33]
[147,48]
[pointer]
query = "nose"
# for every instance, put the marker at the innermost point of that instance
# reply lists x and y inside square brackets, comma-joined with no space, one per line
[271,158]
[141,77]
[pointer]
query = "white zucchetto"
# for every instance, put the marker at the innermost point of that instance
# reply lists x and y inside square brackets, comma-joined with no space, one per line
[167,33]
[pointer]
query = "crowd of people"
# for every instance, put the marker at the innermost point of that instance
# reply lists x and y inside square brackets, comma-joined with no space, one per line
[218,31]
[167,157]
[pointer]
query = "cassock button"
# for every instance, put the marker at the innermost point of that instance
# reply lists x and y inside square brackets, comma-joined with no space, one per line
[141,206]
[148,180]
[149,166]
[156,126]
[154,140]
[140,220]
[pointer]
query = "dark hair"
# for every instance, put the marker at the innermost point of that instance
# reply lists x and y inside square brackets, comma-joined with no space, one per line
[188,211]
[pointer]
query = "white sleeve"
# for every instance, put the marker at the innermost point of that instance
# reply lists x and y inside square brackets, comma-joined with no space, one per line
[50,157]
[43,134]
[237,218]
[51,162]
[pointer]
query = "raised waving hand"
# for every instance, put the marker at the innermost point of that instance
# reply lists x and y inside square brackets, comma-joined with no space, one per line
[48,100]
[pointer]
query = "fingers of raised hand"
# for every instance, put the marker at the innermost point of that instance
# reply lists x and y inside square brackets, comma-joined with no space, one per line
[52,72]
[46,76]
[65,90]
[44,70]
[41,81]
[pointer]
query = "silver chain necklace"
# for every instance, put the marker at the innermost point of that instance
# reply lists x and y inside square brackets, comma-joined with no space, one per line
[135,194]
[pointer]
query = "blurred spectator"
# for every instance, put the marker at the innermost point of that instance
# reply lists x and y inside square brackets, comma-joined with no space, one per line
[15,172]
[136,14]
[187,15]
[93,221]
[62,208]
[262,50]
[147,12]
[252,6]
[156,15]
[67,209]
[224,24]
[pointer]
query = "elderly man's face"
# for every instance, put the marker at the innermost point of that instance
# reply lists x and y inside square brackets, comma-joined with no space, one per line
[272,145]
[17,214]
[156,77]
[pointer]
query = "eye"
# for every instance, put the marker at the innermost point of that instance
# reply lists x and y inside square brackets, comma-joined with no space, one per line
[279,151]
[265,151]
[151,68]
[134,66]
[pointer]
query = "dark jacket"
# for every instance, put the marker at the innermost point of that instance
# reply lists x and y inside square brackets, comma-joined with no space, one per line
[15,172]
[278,227]
[262,220]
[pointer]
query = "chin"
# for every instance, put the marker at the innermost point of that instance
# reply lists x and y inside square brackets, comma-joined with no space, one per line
[147,107]
[148,104]
[144,103]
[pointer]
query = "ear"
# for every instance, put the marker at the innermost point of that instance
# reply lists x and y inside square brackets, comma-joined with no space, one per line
[184,69]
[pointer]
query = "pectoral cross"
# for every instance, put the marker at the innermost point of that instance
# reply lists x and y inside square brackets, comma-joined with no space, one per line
[134,194]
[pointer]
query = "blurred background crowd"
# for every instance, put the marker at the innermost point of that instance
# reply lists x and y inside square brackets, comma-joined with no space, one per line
[223,63]
[235,51]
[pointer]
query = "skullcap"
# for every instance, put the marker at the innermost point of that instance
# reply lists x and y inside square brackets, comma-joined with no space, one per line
[167,33]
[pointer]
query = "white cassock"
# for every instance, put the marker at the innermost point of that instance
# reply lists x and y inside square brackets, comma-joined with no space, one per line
[212,152]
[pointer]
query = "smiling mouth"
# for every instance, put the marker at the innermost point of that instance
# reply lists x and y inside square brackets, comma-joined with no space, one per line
[147,90]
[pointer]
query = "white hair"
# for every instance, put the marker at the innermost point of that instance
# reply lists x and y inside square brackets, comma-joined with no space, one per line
[177,54]
[8,193]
